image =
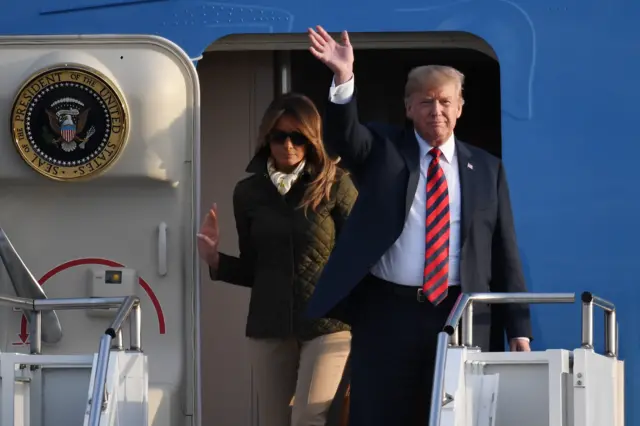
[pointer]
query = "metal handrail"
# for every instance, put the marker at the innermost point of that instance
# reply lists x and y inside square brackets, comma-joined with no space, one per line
[130,304]
[610,323]
[32,299]
[26,286]
[463,310]
[129,308]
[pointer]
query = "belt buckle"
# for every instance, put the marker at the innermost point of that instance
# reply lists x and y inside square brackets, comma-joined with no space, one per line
[420,296]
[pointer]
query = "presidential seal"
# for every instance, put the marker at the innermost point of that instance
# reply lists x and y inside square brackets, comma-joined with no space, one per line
[69,123]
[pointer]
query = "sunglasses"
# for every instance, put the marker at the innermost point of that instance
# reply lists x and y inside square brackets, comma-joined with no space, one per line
[280,137]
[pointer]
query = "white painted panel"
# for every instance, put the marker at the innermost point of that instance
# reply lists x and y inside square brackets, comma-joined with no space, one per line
[115,216]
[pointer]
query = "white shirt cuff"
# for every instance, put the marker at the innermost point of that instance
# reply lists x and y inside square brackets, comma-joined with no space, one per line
[343,93]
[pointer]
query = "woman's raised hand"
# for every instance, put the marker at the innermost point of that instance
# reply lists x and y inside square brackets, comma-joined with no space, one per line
[209,237]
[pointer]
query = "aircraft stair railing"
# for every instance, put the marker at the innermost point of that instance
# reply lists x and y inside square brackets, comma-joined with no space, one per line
[580,387]
[125,374]
[129,308]
[99,400]
[26,286]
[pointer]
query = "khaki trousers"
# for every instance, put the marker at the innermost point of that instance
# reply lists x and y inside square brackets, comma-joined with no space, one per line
[309,372]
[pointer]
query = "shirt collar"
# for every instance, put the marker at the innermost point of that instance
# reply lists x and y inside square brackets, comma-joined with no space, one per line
[448,148]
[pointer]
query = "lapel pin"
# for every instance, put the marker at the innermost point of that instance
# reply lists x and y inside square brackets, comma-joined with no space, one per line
[470,166]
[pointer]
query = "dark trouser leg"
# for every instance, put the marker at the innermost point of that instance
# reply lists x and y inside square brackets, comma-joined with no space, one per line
[392,355]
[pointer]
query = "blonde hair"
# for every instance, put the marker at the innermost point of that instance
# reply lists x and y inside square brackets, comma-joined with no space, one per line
[433,74]
[302,109]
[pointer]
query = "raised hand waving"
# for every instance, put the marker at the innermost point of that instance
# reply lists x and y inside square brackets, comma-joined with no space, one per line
[337,57]
[209,237]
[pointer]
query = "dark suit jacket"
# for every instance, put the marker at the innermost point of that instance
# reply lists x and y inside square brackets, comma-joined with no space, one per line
[384,162]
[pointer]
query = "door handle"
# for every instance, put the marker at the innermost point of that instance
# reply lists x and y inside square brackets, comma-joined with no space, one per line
[162,249]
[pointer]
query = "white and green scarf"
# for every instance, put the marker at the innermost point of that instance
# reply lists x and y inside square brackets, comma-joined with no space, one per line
[284,181]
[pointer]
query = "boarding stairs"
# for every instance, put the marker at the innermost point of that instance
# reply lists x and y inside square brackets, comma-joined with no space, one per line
[110,387]
[555,387]
[107,388]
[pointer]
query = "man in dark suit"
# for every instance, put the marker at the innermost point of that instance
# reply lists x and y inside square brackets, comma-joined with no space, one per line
[433,217]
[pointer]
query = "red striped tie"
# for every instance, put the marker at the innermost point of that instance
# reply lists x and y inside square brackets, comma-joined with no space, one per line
[436,269]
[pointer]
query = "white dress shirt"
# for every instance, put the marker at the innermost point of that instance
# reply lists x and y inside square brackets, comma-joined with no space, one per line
[403,263]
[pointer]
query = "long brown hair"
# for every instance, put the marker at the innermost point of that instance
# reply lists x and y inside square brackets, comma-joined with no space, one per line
[302,109]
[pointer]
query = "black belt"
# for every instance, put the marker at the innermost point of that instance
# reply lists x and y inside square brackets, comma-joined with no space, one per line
[405,290]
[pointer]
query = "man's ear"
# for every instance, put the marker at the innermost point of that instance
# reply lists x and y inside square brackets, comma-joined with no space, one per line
[461,104]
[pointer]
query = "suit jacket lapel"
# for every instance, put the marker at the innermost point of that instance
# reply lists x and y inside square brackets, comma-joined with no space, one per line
[467,188]
[411,153]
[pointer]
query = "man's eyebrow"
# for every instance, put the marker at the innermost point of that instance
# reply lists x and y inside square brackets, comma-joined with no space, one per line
[430,98]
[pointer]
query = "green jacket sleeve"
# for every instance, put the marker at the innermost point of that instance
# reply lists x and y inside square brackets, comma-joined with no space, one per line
[238,270]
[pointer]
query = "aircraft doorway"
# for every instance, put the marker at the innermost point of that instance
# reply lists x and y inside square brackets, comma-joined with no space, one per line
[239,76]
[381,75]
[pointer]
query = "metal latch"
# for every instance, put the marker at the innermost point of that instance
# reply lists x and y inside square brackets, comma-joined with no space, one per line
[447,399]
